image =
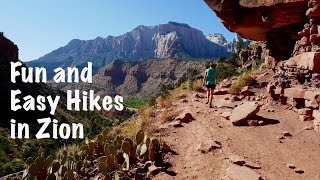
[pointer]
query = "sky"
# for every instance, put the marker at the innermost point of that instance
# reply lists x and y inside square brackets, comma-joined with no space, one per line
[39,26]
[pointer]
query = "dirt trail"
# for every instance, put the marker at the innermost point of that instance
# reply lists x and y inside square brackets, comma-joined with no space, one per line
[259,145]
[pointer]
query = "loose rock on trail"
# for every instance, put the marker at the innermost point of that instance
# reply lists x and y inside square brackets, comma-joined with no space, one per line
[204,147]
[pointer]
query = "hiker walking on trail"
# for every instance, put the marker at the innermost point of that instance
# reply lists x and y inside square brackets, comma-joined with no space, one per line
[209,81]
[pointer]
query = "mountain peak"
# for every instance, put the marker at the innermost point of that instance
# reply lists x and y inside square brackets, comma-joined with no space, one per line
[74,42]
[176,24]
[179,24]
[237,38]
[217,38]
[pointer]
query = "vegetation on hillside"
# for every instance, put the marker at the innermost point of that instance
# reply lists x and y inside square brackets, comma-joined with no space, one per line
[97,121]
[117,150]
[14,152]
[137,103]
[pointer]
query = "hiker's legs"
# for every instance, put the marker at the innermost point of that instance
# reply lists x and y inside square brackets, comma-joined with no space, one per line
[208,95]
[211,96]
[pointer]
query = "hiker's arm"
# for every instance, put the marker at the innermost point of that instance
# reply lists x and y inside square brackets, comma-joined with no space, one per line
[204,79]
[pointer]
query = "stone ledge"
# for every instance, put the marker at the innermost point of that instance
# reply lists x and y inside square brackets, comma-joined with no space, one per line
[302,94]
[308,60]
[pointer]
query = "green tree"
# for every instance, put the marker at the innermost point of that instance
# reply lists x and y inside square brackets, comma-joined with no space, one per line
[233,59]
[165,89]
[222,58]
[192,73]
[225,70]
[180,81]
[239,46]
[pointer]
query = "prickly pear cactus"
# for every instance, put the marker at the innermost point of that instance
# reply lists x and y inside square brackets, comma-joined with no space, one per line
[117,157]
[48,168]
[139,137]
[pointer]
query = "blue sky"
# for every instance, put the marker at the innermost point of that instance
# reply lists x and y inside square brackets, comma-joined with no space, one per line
[38,27]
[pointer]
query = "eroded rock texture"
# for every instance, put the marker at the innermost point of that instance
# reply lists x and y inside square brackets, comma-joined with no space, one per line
[310,35]
[252,54]
[275,21]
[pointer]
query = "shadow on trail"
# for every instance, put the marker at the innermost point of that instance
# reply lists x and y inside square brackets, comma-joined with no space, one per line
[260,121]
[266,121]
[167,165]
[167,169]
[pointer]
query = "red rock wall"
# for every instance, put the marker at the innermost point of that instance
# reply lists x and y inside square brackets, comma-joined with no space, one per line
[8,49]
[275,21]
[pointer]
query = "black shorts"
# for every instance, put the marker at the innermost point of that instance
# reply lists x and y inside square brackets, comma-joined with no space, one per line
[211,86]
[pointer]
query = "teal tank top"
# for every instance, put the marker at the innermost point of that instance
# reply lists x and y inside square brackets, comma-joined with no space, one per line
[210,76]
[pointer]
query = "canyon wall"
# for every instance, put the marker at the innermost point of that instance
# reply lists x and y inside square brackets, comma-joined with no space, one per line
[275,21]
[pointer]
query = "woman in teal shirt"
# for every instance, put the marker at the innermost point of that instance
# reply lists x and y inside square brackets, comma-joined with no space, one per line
[209,81]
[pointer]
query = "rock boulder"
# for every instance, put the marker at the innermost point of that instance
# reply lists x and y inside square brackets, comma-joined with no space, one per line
[316,121]
[244,112]
[242,173]
[294,93]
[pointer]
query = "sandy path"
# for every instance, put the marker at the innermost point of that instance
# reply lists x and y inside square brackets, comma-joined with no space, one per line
[259,145]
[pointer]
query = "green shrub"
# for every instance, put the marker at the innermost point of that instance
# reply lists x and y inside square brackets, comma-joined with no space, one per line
[165,89]
[225,70]
[11,167]
[233,59]
[244,80]
[5,145]
[30,152]
[197,86]
[239,46]
[222,58]
[7,168]
[192,72]
[180,81]
[190,83]
[258,63]
[137,103]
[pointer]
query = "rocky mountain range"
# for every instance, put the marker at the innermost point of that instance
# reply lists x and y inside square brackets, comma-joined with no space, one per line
[230,46]
[171,40]
[135,78]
